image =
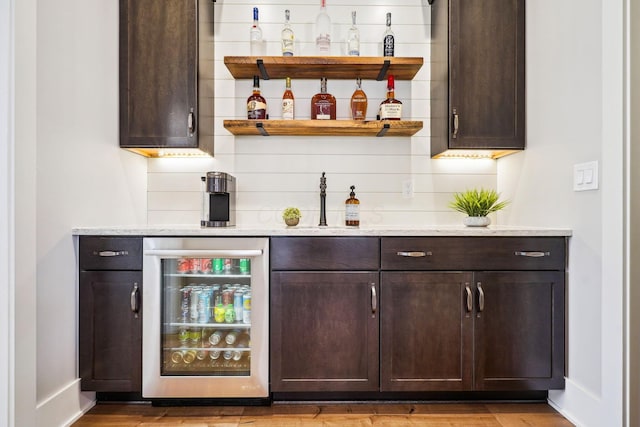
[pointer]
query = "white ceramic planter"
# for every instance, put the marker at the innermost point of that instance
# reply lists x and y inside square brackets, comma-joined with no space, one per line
[476,221]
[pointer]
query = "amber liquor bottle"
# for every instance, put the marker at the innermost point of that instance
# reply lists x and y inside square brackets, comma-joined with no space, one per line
[352,209]
[390,108]
[359,102]
[323,104]
[256,104]
[288,101]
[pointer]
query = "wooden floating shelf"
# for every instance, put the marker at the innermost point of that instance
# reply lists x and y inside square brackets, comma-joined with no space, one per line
[315,67]
[323,127]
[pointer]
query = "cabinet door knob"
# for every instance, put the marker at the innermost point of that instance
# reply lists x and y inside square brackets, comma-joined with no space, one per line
[480,297]
[135,305]
[374,298]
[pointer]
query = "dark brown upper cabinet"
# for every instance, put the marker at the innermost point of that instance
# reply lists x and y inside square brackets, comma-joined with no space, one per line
[478,77]
[159,76]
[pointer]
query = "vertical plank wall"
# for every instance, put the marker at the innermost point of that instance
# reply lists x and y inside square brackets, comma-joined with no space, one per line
[275,172]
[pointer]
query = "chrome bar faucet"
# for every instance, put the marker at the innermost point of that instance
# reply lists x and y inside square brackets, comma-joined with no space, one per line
[323,201]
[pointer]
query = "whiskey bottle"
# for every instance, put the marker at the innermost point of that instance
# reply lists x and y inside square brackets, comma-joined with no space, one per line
[353,37]
[255,36]
[287,36]
[323,30]
[390,108]
[323,104]
[388,40]
[352,210]
[287,101]
[256,104]
[359,102]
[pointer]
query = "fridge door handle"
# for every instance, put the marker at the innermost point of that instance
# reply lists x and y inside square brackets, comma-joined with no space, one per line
[135,304]
[374,299]
[204,253]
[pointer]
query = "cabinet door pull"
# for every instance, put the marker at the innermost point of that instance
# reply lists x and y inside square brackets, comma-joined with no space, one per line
[456,123]
[480,297]
[135,306]
[374,298]
[415,254]
[469,298]
[191,119]
[111,253]
[532,254]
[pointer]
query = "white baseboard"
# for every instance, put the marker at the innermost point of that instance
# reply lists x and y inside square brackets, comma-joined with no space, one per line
[583,408]
[65,407]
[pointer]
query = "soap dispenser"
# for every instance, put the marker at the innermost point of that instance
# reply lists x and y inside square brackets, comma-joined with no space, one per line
[352,209]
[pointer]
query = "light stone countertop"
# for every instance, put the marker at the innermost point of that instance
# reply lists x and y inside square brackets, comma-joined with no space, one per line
[386,230]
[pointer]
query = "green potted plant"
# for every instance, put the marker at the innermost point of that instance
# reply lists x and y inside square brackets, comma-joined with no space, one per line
[477,204]
[291,216]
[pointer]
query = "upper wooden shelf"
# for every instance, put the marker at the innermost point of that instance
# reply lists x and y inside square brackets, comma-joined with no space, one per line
[323,127]
[331,67]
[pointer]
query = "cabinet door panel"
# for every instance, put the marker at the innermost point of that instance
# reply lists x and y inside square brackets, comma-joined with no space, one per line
[426,331]
[324,331]
[110,332]
[519,331]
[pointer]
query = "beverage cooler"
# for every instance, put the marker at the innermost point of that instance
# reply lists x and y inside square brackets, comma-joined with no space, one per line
[206,318]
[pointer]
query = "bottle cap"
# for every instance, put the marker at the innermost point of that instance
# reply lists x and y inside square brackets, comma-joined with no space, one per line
[256,81]
[352,194]
[390,81]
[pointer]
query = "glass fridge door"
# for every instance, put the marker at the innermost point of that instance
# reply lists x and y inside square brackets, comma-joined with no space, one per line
[206,324]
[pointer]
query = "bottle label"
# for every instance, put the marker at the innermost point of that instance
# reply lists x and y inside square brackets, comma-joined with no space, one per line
[287,46]
[388,45]
[323,110]
[352,212]
[390,111]
[256,110]
[287,109]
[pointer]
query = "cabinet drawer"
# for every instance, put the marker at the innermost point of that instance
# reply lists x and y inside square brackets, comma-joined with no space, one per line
[325,253]
[473,253]
[110,253]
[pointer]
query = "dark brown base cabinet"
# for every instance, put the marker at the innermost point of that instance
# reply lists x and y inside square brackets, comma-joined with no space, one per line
[110,314]
[453,314]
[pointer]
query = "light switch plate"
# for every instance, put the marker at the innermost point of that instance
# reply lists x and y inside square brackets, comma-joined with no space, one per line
[585,176]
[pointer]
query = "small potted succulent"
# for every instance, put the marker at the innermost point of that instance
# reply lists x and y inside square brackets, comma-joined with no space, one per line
[291,216]
[477,204]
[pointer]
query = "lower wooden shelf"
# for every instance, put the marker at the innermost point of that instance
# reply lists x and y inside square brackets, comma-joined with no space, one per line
[323,127]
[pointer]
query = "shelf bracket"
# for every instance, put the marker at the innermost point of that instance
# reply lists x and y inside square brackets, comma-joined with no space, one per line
[260,127]
[383,70]
[263,70]
[384,129]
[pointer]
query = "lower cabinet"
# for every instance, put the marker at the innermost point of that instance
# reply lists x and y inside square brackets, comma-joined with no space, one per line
[472,331]
[110,314]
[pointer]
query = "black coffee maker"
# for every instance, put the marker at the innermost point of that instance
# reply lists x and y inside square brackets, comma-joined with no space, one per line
[218,200]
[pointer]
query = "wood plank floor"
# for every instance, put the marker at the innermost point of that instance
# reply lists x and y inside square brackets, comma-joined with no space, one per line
[329,415]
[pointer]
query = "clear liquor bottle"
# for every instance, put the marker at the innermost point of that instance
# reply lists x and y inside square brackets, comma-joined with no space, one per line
[352,209]
[287,36]
[323,104]
[256,104]
[255,36]
[388,40]
[288,101]
[359,102]
[390,108]
[353,37]
[323,30]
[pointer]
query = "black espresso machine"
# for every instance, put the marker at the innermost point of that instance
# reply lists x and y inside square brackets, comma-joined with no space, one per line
[218,200]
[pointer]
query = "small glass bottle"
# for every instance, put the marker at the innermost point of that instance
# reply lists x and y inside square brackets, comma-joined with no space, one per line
[323,104]
[256,104]
[359,102]
[288,101]
[390,108]
[352,210]
[255,36]
[388,40]
[287,36]
[323,30]
[353,37]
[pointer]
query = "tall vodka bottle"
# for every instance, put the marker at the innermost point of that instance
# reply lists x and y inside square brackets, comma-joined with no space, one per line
[255,36]
[287,37]
[353,37]
[323,30]
[388,39]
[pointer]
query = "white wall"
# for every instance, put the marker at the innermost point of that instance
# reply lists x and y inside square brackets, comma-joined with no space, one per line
[69,172]
[575,110]
[276,172]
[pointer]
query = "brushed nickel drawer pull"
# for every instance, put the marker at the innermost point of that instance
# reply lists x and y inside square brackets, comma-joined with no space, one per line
[415,254]
[374,298]
[111,253]
[469,298]
[480,297]
[135,306]
[532,254]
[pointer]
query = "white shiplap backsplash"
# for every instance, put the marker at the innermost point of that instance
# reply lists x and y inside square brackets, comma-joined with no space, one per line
[275,172]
